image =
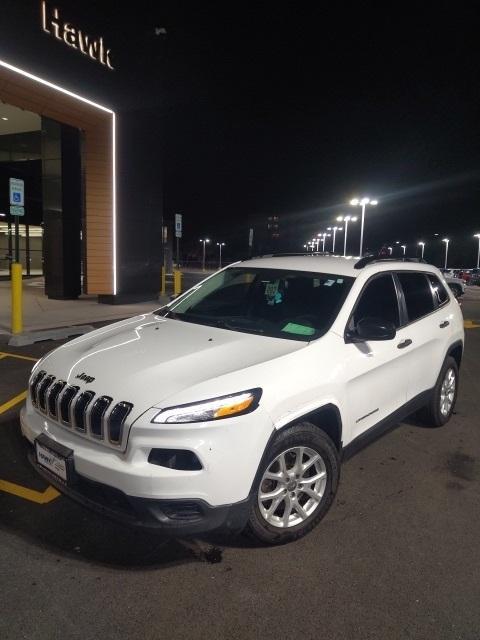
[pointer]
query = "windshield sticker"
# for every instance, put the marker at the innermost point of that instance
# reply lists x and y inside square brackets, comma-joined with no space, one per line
[328,283]
[298,329]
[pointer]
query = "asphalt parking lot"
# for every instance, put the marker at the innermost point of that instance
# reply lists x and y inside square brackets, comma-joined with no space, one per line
[397,556]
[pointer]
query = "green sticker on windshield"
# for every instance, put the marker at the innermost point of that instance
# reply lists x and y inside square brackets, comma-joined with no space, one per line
[299,329]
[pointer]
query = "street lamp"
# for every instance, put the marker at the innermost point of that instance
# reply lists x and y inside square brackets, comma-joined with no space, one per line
[204,241]
[477,235]
[422,244]
[390,250]
[404,247]
[323,237]
[334,229]
[346,219]
[446,240]
[220,245]
[363,202]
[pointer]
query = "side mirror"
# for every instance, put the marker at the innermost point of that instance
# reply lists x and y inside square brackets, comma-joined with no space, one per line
[368,329]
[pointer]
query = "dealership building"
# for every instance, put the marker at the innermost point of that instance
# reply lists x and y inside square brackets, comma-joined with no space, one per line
[80,124]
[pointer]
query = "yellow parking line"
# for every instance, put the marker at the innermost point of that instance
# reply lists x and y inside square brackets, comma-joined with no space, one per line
[4,354]
[40,497]
[11,403]
[471,324]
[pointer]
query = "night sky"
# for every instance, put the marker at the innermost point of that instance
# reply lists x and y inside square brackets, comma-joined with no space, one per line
[291,112]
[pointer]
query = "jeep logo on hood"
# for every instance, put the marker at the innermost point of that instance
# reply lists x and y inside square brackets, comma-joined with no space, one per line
[83,376]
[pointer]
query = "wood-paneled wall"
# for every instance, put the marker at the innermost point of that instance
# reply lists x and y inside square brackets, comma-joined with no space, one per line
[19,91]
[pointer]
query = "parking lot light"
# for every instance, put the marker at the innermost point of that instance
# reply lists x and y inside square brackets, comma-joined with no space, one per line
[220,245]
[404,247]
[422,244]
[204,241]
[477,235]
[356,202]
[446,240]
[346,219]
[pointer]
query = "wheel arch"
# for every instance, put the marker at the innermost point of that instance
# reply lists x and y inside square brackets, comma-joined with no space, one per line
[456,352]
[327,418]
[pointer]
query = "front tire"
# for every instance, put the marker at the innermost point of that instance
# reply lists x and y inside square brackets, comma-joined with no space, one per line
[438,412]
[296,486]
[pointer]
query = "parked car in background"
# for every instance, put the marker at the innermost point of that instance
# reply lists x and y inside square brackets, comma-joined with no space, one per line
[457,285]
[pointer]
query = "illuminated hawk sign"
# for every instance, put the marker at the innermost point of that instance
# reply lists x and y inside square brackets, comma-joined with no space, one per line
[94,48]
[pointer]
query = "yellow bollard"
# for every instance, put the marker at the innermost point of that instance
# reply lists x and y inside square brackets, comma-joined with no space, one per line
[177,282]
[163,288]
[17,309]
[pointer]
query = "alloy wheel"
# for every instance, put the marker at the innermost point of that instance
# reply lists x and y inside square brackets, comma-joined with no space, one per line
[292,487]
[447,392]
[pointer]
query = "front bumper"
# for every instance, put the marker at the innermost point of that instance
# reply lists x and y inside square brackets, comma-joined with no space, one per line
[171,517]
[126,487]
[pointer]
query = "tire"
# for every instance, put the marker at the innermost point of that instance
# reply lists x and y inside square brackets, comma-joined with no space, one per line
[436,413]
[301,442]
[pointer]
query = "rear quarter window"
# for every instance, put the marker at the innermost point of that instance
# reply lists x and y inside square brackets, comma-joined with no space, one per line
[439,292]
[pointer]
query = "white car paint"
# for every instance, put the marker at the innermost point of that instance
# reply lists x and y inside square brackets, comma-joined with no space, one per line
[155,362]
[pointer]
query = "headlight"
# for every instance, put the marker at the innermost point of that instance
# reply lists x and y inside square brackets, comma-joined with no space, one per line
[224,407]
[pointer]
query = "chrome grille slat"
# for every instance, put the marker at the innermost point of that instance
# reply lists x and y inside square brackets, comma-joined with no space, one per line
[90,416]
[42,392]
[52,398]
[97,416]
[34,386]
[79,411]
[65,404]
[116,420]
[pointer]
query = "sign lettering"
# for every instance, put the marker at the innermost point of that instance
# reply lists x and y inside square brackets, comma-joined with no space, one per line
[75,38]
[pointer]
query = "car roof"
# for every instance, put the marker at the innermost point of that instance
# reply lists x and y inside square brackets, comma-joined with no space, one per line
[337,265]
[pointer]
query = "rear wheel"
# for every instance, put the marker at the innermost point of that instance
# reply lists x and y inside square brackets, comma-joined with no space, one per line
[298,482]
[444,396]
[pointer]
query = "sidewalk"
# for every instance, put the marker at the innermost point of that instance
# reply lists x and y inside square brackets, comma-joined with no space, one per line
[41,313]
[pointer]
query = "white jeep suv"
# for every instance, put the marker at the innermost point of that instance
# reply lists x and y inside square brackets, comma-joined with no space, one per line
[233,406]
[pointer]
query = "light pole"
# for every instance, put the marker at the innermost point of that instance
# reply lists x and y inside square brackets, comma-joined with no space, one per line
[356,202]
[404,247]
[334,229]
[204,241]
[477,235]
[390,250]
[422,244]
[220,245]
[446,240]
[346,220]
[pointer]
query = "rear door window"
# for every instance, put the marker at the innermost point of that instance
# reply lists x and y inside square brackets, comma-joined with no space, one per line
[418,294]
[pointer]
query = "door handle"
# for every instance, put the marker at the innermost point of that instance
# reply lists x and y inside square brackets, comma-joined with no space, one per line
[404,343]
[444,324]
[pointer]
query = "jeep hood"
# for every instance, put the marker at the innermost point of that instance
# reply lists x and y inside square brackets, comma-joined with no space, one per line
[149,358]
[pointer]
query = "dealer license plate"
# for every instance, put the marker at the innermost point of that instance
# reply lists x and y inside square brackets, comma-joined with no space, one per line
[51,460]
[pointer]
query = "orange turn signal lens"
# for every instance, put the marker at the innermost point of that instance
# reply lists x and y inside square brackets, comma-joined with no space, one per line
[232,409]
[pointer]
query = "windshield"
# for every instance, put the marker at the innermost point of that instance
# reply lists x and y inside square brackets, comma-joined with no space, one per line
[295,305]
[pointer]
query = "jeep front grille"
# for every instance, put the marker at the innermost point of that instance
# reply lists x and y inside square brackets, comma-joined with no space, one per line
[95,417]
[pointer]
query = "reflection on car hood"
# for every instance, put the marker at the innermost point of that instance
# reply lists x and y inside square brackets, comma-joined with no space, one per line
[149,358]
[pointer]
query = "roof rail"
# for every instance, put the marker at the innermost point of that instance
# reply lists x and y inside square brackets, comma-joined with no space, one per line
[369,259]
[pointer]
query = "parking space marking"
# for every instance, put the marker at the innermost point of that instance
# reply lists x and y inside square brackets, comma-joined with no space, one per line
[12,402]
[471,324]
[4,354]
[39,497]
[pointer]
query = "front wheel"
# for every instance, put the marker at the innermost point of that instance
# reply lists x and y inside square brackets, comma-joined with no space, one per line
[298,481]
